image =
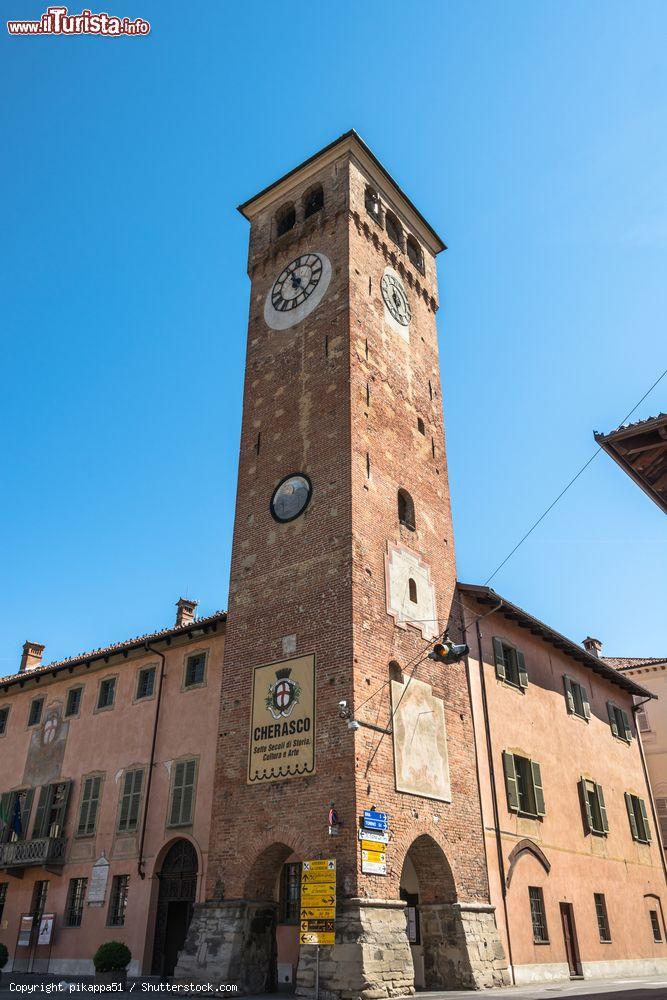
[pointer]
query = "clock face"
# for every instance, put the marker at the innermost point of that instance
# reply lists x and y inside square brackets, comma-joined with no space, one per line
[291,497]
[297,290]
[395,297]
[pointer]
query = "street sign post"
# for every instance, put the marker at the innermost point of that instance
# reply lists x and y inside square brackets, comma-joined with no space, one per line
[318,908]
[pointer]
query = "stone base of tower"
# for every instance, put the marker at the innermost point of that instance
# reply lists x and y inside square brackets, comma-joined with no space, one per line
[234,942]
[462,949]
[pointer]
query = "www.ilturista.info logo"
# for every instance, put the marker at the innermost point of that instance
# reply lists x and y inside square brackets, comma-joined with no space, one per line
[56,21]
[283,694]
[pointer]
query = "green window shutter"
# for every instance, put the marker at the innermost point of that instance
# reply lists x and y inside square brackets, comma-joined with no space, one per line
[135,799]
[188,791]
[585,806]
[603,809]
[499,657]
[61,796]
[5,816]
[177,794]
[631,816]
[26,809]
[521,665]
[569,697]
[510,781]
[627,728]
[647,828]
[611,712]
[125,801]
[84,810]
[587,704]
[43,810]
[538,791]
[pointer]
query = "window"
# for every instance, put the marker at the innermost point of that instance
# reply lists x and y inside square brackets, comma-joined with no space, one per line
[619,722]
[420,426]
[15,810]
[195,670]
[130,800]
[4,715]
[76,895]
[639,824]
[394,230]
[183,793]
[285,220]
[51,809]
[3,897]
[39,894]
[510,663]
[290,893]
[118,901]
[372,202]
[412,590]
[415,253]
[35,713]
[661,809]
[538,915]
[595,813]
[73,704]
[643,725]
[145,683]
[523,780]
[313,202]
[107,693]
[406,510]
[576,698]
[655,926]
[603,919]
[90,801]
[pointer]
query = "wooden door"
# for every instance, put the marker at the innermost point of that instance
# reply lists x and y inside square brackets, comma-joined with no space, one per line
[570,936]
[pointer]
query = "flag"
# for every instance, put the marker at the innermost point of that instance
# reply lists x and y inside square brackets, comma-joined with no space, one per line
[16,826]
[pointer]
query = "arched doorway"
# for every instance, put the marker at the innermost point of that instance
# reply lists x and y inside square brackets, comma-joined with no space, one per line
[274,885]
[437,942]
[176,897]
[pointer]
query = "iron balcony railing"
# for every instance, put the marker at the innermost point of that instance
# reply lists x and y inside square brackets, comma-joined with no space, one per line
[41,851]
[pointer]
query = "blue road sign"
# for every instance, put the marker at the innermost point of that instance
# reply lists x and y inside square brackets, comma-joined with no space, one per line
[378,816]
[373,824]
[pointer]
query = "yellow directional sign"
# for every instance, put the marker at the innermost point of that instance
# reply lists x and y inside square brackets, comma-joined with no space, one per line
[379,857]
[317,912]
[306,937]
[318,902]
[371,845]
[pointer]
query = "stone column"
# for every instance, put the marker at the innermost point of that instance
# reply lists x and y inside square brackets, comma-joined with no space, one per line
[371,958]
[231,941]
[462,949]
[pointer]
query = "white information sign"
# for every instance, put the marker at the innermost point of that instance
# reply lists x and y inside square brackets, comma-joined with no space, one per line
[97,887]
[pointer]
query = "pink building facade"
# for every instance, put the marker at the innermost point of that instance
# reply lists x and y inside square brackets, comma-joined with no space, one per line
[106,785]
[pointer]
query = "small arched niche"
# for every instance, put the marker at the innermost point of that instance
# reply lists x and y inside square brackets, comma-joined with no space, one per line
[406,509]
[285,219]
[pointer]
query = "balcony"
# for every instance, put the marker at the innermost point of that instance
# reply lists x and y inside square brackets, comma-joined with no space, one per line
[45,851]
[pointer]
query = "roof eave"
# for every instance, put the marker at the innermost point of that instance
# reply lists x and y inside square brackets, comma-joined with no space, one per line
[487,594]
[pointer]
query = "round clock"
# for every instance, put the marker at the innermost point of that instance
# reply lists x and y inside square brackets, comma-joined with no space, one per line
[395,297]
[297,290]
[291,497]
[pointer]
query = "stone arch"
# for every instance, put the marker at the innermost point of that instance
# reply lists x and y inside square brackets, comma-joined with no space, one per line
[270,853]
[433,870]
[526,847]
[167,847]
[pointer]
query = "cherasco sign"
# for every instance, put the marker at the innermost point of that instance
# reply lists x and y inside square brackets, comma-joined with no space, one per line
[282,724]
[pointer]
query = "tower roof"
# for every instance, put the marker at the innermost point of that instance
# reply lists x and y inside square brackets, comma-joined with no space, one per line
[353,143]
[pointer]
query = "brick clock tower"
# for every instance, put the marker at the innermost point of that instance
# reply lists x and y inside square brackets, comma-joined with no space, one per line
[342,574]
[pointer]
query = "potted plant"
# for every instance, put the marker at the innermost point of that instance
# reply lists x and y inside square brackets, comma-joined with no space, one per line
[111,961]
[4,958]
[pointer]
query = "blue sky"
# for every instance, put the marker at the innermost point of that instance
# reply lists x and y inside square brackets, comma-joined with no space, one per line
[532,137]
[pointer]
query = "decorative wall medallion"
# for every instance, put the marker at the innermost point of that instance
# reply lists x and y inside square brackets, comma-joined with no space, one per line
[291,497]
[395,297]
[298,289]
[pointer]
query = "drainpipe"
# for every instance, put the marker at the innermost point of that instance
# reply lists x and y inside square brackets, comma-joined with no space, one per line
[151,766]
[654,812]
[494,790]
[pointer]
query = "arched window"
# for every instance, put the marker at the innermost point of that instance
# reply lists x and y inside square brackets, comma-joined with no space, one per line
[372,202]
[313,201]
[420,426]
[415,253]
[412,590]
[394,230]
[285,219]
[395,672]
[406,509]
